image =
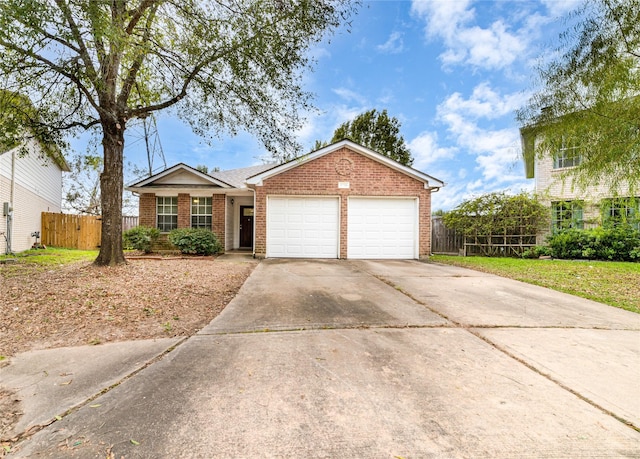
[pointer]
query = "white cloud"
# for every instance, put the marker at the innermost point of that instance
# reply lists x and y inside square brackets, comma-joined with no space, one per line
[560,8]
[350,96]
[426,151]
[393,45]
[492,47]
[496,151]
[320,126]
[444,17]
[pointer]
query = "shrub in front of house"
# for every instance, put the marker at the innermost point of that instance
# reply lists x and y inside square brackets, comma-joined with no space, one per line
[140,238]
[614,243]
[195,241]
[537,252]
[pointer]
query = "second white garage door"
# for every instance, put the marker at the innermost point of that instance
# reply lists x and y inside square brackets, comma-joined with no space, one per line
[382,228]
[302,227]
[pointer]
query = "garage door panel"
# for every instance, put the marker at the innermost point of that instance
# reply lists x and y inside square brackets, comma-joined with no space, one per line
[382,228]
[302,227]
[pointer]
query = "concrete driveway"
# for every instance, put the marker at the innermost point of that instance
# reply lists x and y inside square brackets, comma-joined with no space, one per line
[393,359]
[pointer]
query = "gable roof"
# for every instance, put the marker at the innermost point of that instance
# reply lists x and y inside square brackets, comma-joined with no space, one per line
[179,176]
[429,181]
[237,177]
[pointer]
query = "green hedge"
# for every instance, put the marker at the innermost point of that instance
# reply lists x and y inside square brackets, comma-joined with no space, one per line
[617,243]
[140,238]
[195,241]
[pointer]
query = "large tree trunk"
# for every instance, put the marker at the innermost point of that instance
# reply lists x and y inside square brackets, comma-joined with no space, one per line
[111,184]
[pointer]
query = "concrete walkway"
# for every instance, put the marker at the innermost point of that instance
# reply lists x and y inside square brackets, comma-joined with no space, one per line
[377,359]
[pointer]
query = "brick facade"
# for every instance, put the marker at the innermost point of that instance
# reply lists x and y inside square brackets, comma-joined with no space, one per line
[342,173]
[321,176]
[218,207]
[147,210]
[218,202]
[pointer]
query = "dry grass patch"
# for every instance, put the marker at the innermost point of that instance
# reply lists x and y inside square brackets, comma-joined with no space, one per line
[44,306]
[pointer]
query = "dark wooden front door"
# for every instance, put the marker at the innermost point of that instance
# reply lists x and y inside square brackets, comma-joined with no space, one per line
[246,226]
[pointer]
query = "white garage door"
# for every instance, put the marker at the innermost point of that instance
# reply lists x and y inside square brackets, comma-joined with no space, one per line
[302,227]
[382,228]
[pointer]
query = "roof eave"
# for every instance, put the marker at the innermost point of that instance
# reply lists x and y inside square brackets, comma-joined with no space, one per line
[527,139]
[176,167]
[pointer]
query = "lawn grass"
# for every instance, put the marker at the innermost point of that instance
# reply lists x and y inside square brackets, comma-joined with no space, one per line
[613,283]
[51,256]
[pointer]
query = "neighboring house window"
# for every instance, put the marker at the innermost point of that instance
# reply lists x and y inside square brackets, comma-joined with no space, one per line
[621,210]
[201,213]
[167,212]
[566,214]
[567,156]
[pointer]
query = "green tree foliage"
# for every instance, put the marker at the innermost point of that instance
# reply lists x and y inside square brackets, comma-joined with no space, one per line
[498,214]
[223,65]
[588,97]
[202,168]
[376,131]
[81,186]
[20,122]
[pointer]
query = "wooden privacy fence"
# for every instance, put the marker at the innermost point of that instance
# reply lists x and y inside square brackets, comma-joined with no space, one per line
[444,240]
[76,231]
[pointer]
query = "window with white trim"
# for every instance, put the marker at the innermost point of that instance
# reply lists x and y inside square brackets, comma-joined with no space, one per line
[201,212]
[167,213]
[567,214]
[568,155]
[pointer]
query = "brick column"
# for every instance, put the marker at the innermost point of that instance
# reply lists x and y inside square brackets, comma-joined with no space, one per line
[218,214]
[147,203]
[260,223]
[184,210]
[344,224]
[424,249]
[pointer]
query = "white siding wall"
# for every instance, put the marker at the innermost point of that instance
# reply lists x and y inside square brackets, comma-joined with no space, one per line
[38,188]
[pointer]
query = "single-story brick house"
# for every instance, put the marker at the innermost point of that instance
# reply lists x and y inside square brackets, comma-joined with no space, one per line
[342,201]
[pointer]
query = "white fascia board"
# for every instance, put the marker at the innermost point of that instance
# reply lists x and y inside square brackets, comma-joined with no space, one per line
[430,182]
[174,191]
[175,168]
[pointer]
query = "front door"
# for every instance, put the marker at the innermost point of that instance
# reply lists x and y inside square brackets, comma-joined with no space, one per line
[246,226]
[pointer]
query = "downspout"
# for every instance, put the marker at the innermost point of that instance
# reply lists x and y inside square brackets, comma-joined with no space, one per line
[13,176]
[12,191]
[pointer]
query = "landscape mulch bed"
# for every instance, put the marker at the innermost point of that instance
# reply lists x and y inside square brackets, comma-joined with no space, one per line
[79,304]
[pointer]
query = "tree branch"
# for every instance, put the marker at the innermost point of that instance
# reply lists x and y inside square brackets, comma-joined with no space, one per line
[137,63]
[137,14]
[100,51]
[56,68]
[83,51]
[618,21]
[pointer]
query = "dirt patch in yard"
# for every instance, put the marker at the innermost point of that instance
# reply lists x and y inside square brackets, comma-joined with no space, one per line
[80,304]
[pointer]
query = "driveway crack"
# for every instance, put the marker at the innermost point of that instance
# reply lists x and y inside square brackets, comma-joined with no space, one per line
[470,329]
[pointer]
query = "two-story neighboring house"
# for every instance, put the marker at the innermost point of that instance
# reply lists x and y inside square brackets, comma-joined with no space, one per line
[572,206]
[30,183]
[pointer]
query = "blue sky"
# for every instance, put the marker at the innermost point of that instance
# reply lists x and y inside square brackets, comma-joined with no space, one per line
[452,71]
